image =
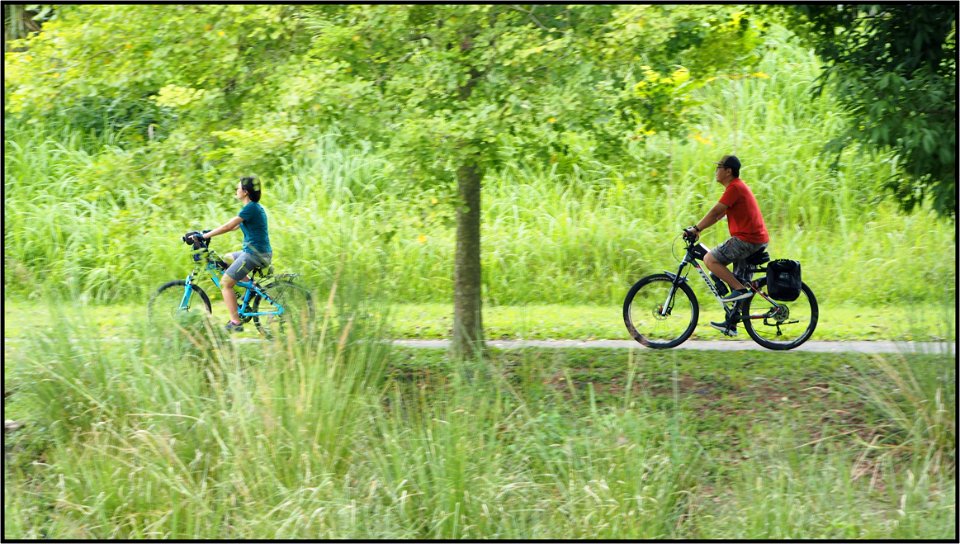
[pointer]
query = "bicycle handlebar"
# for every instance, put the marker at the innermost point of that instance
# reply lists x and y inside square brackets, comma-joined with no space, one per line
[196,239]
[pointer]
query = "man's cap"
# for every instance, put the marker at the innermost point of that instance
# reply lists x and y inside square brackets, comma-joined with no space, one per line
[730,161]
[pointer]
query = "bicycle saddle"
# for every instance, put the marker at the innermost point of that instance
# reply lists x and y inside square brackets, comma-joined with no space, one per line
[759,257]
[263,272]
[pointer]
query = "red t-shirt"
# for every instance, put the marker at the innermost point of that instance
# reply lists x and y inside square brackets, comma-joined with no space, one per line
[743,213]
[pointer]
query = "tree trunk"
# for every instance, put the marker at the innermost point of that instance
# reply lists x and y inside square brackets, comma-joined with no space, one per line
[467,322]
[17,23]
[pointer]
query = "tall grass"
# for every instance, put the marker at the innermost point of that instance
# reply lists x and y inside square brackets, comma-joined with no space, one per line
[916,401]
[87,217]
[186,435]
[172,433]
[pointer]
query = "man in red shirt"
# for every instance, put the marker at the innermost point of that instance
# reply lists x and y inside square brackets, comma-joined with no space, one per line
[748,234]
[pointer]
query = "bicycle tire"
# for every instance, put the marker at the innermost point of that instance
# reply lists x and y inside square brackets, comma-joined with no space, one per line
[645,332]
[154,312]
[300,316]
[813,311]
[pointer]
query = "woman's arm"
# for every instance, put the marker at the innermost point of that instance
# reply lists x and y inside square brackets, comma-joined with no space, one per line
[232,224]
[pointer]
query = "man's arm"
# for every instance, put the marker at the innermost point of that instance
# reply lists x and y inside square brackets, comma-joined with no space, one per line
[715,214]
[232,224]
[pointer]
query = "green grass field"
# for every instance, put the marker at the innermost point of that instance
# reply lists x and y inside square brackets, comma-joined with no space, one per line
[918,321]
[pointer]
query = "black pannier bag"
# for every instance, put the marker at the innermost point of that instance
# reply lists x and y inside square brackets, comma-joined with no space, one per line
[783,280]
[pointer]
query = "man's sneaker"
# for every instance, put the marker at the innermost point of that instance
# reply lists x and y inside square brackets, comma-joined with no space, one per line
[738,294]
[234,327]
[722,327]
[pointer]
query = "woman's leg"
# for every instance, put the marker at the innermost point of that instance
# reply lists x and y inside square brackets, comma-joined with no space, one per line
[229,297]
[243,263]
[231,258]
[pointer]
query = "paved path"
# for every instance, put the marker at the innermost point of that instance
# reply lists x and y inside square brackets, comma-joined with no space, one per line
[859,346]
[721,345]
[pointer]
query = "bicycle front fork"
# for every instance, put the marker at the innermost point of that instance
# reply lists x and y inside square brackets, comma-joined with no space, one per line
[187,293]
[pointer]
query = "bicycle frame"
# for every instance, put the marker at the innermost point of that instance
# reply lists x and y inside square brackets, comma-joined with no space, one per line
[215,267]
[696,252]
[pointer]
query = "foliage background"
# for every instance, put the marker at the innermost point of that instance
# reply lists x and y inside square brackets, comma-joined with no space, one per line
[128,125]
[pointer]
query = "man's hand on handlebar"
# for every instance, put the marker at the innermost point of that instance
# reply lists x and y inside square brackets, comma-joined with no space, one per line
[690,233]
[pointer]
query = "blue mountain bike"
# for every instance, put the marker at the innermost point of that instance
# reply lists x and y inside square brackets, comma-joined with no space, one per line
[275,303]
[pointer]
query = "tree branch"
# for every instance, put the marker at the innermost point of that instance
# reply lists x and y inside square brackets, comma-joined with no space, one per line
[531,16]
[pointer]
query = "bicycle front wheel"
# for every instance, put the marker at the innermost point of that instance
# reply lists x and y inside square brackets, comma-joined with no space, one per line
[785,325]
[287,307]
[659,315]
[170,306]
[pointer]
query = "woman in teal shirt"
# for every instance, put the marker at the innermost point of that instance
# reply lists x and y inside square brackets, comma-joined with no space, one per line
[256,253]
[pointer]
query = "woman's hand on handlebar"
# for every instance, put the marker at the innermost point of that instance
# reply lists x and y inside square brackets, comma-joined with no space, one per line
[195,239]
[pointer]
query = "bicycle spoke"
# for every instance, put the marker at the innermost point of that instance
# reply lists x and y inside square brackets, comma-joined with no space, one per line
[783,324]
[286,307]
[657,314]
[169,308]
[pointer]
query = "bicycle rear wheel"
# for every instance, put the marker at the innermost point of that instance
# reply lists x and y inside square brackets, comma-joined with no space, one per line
[168,309]
[652,323]
[289,307]
[781,328]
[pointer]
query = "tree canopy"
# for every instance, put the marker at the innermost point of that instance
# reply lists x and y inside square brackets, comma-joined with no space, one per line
[894,67]
[555,81]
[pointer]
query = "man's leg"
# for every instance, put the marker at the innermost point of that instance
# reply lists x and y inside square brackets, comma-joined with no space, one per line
[722,272]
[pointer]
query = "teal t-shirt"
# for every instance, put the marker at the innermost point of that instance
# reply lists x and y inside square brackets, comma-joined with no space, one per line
[254,227]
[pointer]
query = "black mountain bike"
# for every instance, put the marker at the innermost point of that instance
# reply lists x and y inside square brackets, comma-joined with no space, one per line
[661,310]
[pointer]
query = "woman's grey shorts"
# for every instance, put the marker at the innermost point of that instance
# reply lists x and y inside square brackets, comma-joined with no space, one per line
[244,262]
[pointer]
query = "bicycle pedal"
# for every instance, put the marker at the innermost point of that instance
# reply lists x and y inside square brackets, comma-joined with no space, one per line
[724,328]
